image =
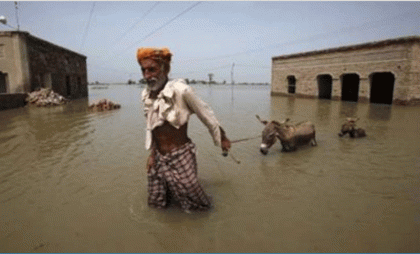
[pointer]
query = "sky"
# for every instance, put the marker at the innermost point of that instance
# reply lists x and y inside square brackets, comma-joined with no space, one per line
[233,40]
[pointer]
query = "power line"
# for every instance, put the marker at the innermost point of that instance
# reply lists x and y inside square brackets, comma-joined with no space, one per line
[132,27]
[112,69]
[255,66]
[167,23]
[87,27]
[203,71]
[223,67]
[310,38]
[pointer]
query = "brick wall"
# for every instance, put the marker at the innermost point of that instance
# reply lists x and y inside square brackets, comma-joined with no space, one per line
[400,59]
[60,69]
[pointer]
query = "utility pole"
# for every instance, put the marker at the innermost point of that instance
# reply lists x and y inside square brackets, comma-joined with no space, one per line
[17,15]
[231,74]
[232,80]
[211,78]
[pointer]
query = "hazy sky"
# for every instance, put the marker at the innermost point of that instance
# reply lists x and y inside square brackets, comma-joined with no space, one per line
[210,36]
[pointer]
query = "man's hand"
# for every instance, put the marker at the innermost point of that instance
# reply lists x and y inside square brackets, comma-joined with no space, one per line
[225,145]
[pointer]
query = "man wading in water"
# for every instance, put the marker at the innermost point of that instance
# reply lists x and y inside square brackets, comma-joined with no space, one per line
[172,165]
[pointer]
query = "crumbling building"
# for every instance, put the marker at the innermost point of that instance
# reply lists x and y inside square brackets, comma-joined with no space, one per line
[28,63]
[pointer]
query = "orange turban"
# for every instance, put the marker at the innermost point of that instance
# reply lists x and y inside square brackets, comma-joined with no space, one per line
[160,54]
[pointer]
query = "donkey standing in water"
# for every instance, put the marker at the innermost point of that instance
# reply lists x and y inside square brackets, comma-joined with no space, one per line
[291,136]
[350,127]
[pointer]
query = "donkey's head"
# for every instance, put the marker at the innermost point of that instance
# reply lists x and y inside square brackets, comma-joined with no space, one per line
[348,127]
[269,134]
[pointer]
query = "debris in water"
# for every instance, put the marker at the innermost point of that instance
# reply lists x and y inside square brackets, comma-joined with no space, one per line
[104,104]
[45,97]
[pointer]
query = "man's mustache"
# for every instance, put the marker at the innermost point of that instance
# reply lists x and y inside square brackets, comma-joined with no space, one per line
[152,80]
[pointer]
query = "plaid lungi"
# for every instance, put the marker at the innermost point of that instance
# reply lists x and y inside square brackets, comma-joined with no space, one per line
[174,175]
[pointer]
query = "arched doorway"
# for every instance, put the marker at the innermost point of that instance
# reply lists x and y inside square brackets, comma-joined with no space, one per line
[3,82]
[291,81]
[324,86]
[382,87]
[350,87]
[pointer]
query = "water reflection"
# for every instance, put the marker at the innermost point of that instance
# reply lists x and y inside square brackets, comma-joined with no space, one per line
[290,107]
[380,112]
[42,143]
[66,173]
[53,125]
[349,109]
[323,111]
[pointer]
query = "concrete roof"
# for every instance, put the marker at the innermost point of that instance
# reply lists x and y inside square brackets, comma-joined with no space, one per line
[27,34]
[374,44]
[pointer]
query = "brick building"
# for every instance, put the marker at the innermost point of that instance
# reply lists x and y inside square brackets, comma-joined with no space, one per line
[386,72]
[28,63]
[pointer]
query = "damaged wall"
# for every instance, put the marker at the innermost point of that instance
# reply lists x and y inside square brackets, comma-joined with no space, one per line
[29,63]
[378,72]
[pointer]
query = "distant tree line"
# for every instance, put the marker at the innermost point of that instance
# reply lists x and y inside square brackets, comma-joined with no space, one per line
[192,82]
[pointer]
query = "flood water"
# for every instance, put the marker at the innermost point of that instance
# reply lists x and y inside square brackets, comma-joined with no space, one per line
[75,181]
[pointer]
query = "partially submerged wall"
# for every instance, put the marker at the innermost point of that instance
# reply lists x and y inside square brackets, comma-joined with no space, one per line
[28,63]
[57,68]
[380,72]
[9,101]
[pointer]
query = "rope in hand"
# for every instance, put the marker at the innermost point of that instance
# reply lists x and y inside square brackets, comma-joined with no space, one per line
[226,153]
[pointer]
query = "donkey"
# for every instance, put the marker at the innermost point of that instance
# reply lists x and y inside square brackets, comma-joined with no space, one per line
[291,136]
[350,127]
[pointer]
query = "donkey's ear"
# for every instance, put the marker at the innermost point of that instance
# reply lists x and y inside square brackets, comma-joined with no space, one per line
[285,121]
[262,121]
[352,120]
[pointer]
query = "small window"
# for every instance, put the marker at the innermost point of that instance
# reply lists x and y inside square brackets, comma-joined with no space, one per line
[291,80]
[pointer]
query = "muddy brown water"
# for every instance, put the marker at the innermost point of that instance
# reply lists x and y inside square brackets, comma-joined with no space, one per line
[75,181]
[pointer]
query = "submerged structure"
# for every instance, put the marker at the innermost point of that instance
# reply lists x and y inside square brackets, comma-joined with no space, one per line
[28,63]
[386,72]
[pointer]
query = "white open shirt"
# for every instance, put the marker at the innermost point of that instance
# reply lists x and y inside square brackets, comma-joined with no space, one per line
[175,103]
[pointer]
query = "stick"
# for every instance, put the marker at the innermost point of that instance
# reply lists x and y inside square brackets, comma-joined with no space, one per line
[226,153]
[244,139]
[234,159]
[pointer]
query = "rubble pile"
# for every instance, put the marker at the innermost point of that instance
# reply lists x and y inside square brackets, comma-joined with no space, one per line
[45,97]
[103,104]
